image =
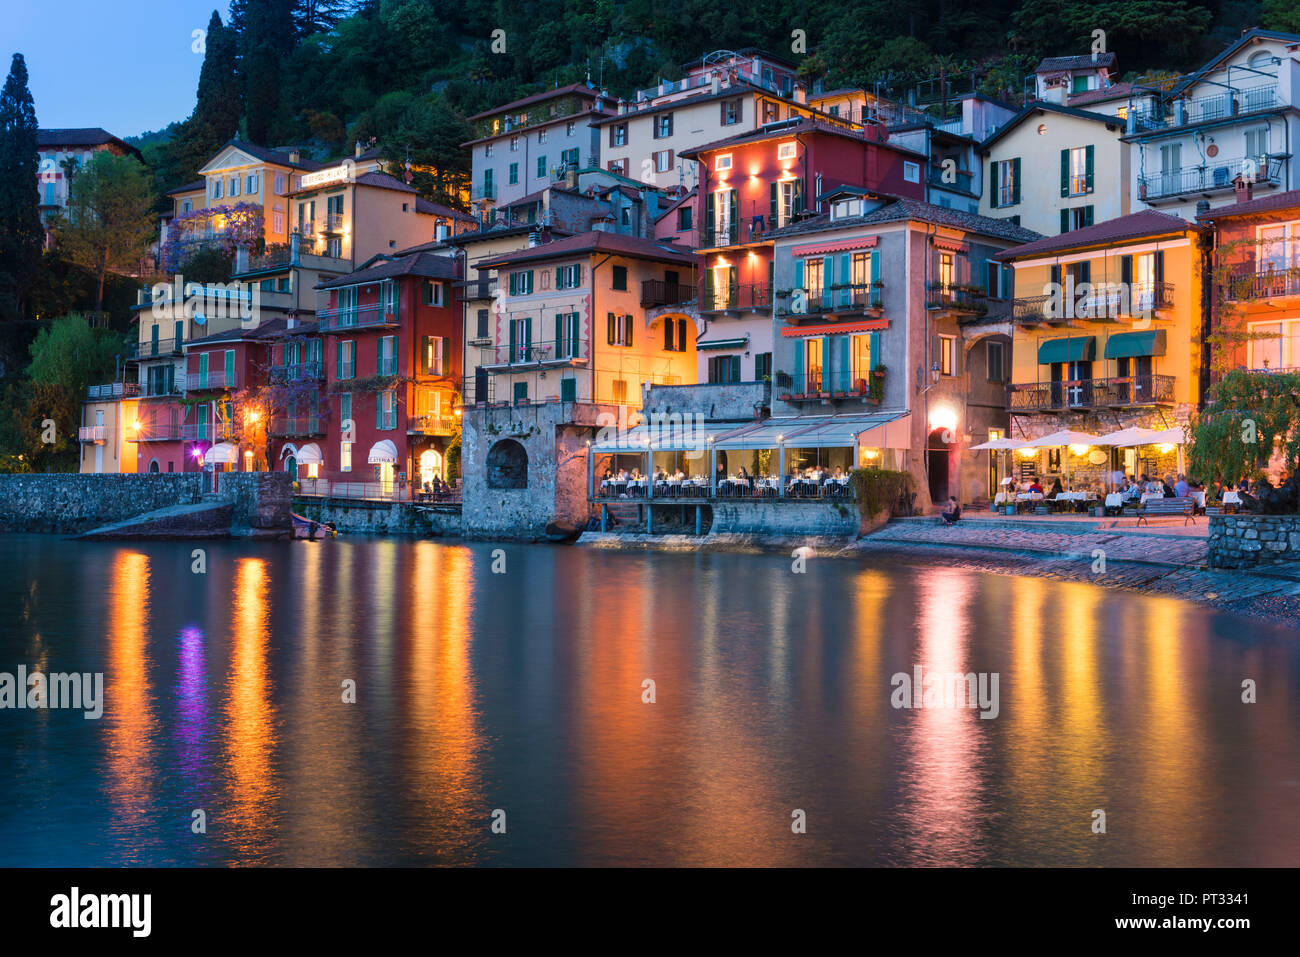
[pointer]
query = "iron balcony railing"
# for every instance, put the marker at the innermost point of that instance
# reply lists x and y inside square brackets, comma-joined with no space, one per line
[158,432]
[377,492]
[297,371]
[747,295]
[114,390]
[797,489]
[156,348]
[159,387]
[476,288]
[371,316]
[288,425]
[956,298]
[659,292]
[1115,392]
[537,352]
[1167,115]
[1106,302]
[333,223]
[431,425]
[206,432]
[820,382]
[1265,283]
[1208,178]
[486,191]
[91,433]
[213,379]
[856,297]
[733,234]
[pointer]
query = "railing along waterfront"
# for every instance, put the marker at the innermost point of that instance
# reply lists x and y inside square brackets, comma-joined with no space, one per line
[728,490]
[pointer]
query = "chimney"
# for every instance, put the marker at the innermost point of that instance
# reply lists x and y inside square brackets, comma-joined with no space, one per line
[295,246]
[1244,187]
[360,149]
[1202,207]
[291,321]
[294,156]
[622,107]
[534,239]
[715,83]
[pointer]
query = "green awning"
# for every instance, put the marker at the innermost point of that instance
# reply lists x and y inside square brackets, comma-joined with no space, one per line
[713,345]
[1126,345]
[1076,349]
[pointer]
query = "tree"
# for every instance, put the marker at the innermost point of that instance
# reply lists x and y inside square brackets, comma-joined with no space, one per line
[69,354]
[215,119]
[21,234]
[1251,417]
[268,40]
[109,221]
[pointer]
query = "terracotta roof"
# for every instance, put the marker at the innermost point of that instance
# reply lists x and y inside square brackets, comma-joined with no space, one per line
[423,205]
[904,209]
[539,98]
[1057,63]
[279,157]
[1265,204]
[1043,106]
[598,241]
[1148,222]
[270,329]
[83,136]
[425,264]
[194,187]
[1113,92]
[784,129]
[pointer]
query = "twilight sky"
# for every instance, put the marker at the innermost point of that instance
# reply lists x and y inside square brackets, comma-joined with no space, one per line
[125,65]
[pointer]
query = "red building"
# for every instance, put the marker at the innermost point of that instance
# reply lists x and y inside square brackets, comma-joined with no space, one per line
[756,182]
[392,357]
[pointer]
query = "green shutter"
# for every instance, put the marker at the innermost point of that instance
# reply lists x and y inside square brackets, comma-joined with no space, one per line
[1088,169]
[874,357]
[990,181]
[379,410]
[569,390]
[828,280]
[842,360]
[559,334]
[798,274]
[203,371]
[513,283]
[800,380]
[774,206]
[1015,181]
[338,360]
[846,279]
[230,368]
[1087,215]
[609,328]
[559,277]
[514,341]
[528,332]
[798,196]
[1065,172]
[1065,220]
[1125,269]
[732,223]
[628,320]
[573,334]
[1160,265]
[826,364]
[709,218]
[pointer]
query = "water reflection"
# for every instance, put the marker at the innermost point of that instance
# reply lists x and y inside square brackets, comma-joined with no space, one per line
[524,692]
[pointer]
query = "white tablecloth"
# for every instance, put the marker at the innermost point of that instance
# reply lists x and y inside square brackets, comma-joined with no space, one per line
[1231,498]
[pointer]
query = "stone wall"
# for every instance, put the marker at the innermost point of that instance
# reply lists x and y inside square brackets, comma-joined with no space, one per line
[836,520]
[70,503]
[1251,541]
[728,401]
[260,500]
[382,518]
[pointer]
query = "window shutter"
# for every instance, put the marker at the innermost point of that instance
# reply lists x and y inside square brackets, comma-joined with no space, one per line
[1015,181]
[609,328]
[514,341]
[379,410]
[1087,215]
[875,267]
[846,280]
[731,210]
[1065,220]
[668,335]
[627,322]
[559,334]
[798,196]
[1056,274]
[842,360]
[681,335]
[798,274]
[1065,173]
[723,118]
[1160,265]
[559,277]
[874,352]
[828,280]
[709,218]
[230,368]
[1126,269]
[513,283]
[991,279]
[670,124]
[773,207]
[338,361]
[1085,272]
[528,332]
[826,364]
[990,182]
[958,357]
[800,381]
[1088,169]
[735,368]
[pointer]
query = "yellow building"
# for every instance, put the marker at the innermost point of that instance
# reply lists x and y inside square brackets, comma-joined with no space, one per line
[105,435]
[1107,332]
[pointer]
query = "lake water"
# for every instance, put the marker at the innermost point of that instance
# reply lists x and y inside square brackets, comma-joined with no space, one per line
[523,692]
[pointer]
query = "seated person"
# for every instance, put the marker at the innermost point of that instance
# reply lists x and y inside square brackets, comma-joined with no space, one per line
[1057,488]
[952,512]
[1035,488]
[839,472]
[1181,488]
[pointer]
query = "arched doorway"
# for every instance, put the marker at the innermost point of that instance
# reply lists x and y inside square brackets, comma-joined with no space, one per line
[430,466]
[289,457]
[938,455]
[153,466]
[507,465]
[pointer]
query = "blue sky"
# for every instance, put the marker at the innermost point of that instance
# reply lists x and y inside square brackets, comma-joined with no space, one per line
[125,65]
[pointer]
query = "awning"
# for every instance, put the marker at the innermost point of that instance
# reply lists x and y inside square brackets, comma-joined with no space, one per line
[845,431]
[833,328]
[383,452]
[1125,345]
[310,454]
[629,441]
[761,435]
[713,345]
[1077,349]
[998,445]
[1128,438]
[221,453]
[839,246]
[1062,438]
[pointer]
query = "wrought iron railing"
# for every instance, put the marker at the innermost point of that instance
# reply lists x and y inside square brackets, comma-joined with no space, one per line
[1118,391]
[659,292]
[1264,283]
[746,295]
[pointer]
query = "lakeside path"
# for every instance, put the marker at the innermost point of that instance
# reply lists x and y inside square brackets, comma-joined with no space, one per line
[1166,558]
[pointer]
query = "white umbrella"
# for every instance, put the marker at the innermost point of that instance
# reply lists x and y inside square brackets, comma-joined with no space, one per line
[1063,438]
[1174,436]
[1127,438]
[998,445]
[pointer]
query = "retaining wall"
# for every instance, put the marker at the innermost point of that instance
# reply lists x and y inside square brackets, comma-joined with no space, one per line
[1251,541]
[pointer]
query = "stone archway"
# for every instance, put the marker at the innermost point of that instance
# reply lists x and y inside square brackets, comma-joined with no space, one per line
[507,465]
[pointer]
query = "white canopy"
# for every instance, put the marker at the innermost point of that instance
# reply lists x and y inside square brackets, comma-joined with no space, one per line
[1064,437]
[221,453]
[1174,436]
[383,452]
[310,454]
[998,445]
[1127,438]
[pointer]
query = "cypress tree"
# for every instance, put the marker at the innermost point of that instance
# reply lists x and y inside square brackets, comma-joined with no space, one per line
[269,36]
[21,234]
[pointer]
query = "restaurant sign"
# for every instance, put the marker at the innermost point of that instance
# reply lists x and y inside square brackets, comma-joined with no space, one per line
[335,174]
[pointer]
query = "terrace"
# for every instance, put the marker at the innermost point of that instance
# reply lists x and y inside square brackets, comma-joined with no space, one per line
[950,297]
[849,299]
[1269,282]
[346,318]
[519,356]
[1205,180]
[738,298]
[1109,393]
[374,492]
[287,426]
[113,390]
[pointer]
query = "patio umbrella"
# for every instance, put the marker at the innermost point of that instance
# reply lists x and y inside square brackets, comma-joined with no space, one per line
[1174,436]
[1127,438]
[1063,438]
[998,445]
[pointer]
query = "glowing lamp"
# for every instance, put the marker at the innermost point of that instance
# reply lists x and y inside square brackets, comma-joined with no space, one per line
[136,425]
[1166,448]
[1079,449]
[943,417]
[1027,453]
[871,454]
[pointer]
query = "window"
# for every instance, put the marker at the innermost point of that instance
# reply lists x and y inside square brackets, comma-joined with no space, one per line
[683,218]
[433,355]
[618,166]
[334,248]
[1076,218]
[250,183]
[811,373]
[570,157]
[514,173]
[234,186]
[1257,146]
[488,191]
[786,151]
[521,392]
[514,144]
[481,328]
[859,361]
[787,199]
[993,279]
[386,355]
[568,277]
[618,330]
[946,354]
[618,134]
[566,336]
[732,111]
[762,366]
[346,360]
[812,270]
[663,161]
[771,112]
[570,128]
[186,206]
[995,353]
[216,189]
[675,335]
[521,283]
[1007,182]
[386,409]
[1076,171]
[663,126]
[625,216]
[541,136]
[724,369]
[619,278]
[279,184]
[619,390]
[541,167]
[432,293]
[277,220]
[723,162]
[911,171]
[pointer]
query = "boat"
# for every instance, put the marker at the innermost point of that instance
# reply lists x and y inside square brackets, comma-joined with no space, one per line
[309,528]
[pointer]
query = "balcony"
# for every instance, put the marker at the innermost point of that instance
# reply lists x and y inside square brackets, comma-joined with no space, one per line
[857,299]
[298,371]
[1113,393]
[821,384]
[1107,303]
[160,388]
[294,425]
[1203,109]
[1266,283]
[476,288]
[715,235]
[157,432]
[156,348]
[1217,177]
[951,297]
[333,225]
[431,425]
[506,358]
[91,433]
[114,390]
[486,191]
[347,318]
[306,231]
[658,292]
[742,297]
[216,379]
